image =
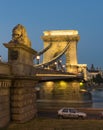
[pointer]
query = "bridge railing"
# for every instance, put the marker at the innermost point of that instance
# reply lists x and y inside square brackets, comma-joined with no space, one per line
[48,71]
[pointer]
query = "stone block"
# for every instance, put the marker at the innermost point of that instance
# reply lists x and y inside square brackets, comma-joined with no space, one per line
[21,118]
[22,103]
[4,121]
[4,68]
[23,97]
[5,112]
[4,92]
[22,90]
[24,109]
[4,98]
[4,105]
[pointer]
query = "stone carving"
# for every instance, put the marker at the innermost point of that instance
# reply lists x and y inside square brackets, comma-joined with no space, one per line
[19,36]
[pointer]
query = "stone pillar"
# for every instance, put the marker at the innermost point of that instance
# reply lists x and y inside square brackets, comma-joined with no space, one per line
[4,101]
[21,58]
[5,84]
[59,40]
[23,99]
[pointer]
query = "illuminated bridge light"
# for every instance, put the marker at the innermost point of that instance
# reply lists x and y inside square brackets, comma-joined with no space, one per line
[49,86]
[38,59]
[63,85]
[81,84]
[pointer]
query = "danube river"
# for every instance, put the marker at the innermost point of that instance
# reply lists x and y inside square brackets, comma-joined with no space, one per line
[69,92]
[97,97]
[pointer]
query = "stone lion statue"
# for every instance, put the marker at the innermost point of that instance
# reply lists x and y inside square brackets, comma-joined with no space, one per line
[19,35]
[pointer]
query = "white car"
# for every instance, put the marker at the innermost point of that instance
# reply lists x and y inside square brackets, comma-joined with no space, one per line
[71,113]
[101,115]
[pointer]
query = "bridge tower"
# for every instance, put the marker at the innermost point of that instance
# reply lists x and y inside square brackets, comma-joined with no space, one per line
[59,40]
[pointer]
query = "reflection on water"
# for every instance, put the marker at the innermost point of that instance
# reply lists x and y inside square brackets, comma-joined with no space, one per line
[63,90]
[97,97]
[71,92]
[62,93]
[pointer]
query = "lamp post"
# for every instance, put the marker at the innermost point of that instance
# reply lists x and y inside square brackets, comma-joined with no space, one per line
[64,68]
[38,59]
[56,65]
[0,58]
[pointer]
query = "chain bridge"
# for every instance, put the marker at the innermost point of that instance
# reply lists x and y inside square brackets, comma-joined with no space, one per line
[24,70]
[59,44]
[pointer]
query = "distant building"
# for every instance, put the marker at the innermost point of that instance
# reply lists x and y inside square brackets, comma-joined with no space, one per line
[93,72]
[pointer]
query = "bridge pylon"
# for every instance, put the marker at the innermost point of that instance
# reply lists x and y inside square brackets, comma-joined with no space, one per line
[60,39]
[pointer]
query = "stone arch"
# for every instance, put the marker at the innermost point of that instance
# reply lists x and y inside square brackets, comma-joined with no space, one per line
[60,39]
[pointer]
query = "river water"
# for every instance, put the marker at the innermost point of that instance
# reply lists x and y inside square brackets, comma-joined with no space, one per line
[97,97]
[69,91]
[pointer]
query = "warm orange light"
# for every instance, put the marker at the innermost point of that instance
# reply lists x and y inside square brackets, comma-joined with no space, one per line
[38,57]
[63,85]
[81,84]
[83,90]
[49,86]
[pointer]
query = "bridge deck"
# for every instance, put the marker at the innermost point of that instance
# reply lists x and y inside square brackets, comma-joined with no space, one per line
[46,77]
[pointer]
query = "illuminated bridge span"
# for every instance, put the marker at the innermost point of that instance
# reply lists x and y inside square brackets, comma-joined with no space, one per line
[19,77]
[54,59]
[49,77]
[48,74]
[59,43]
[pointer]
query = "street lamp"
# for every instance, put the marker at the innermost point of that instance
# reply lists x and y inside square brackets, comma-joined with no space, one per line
[56,65]
[38,59]
[60,61]
[64,69]
[0,58]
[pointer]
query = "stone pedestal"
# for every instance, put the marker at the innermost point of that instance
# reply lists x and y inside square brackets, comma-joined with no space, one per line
[23,99]
[21,58]
[5,84]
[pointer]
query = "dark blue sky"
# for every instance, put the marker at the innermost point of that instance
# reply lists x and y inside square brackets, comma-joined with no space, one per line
[86,16]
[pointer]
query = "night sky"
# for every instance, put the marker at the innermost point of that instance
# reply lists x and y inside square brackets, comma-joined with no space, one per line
[37,16]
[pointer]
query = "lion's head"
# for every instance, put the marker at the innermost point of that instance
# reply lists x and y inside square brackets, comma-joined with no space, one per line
[19,35]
